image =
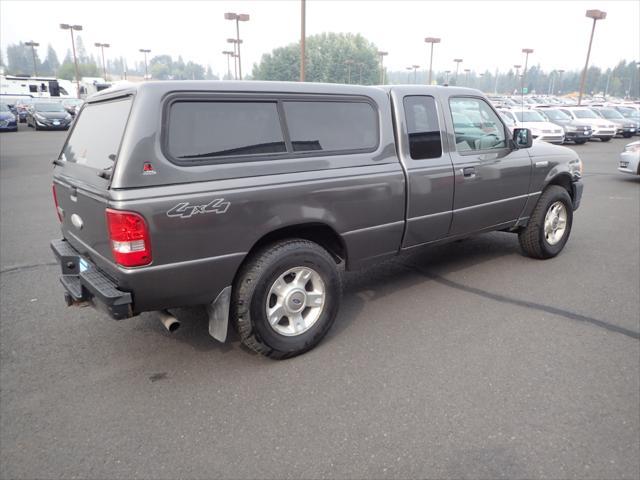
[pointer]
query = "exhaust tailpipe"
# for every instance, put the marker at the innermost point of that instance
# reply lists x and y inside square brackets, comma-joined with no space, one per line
[169,322]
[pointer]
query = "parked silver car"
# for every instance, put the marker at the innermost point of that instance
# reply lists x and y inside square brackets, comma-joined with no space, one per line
[630,159]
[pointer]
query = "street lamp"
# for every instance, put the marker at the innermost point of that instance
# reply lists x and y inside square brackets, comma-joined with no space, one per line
[33,46]
[446,78]
[381,55]
[238,17]
[595,15]
[229,54]
[431,40]
[236,56]
[560,81]
[348,63]
[360,65]
[415,72]
[526,52]
[146,69]
[102,46]
[458,62]
[71,28]
[303,35]
[467,71]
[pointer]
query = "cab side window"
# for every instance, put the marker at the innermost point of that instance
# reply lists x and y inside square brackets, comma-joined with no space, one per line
[422,127]
[477,127]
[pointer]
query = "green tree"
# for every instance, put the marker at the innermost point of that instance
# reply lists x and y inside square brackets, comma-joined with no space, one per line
[20,59]
[329,58]
[51,64]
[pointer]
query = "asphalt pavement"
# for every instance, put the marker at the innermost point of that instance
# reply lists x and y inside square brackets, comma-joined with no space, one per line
[466,360]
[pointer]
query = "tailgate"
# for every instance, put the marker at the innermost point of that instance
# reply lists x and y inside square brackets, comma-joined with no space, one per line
[83,172]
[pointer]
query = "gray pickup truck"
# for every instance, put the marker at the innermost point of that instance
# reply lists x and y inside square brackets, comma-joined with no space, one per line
[249,198]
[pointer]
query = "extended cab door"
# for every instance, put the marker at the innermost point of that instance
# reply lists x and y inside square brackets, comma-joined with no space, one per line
[419,124]
[491,178]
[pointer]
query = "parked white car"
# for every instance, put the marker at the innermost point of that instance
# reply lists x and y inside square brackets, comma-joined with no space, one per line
[630,159]
[602,128]
[541,129]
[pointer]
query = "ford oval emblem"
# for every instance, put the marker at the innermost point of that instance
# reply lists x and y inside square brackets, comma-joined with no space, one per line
[77,221]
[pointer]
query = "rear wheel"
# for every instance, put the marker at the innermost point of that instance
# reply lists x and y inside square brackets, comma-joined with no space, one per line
[626,135]
[605,139]
[580,142]
[286,298]
[550,224]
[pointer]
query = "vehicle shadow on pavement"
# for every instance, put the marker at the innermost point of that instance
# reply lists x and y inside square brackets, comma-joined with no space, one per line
[433,265]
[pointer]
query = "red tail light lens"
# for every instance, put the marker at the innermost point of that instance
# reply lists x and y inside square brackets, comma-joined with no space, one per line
[129,238]
[55,200]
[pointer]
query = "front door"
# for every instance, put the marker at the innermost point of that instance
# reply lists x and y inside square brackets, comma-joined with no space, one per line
[491,178]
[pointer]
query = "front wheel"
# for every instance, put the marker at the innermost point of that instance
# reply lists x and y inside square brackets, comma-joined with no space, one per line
[626,135]
[286,298]
[550,224]
[605,139]
[580,142]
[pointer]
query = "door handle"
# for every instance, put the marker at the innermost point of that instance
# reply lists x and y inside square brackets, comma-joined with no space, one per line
[469,172]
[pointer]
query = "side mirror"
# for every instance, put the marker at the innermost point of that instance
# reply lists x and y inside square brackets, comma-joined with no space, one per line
[522,137]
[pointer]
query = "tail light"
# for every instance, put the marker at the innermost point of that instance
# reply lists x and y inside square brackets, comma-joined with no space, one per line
[129,237]
[55,200]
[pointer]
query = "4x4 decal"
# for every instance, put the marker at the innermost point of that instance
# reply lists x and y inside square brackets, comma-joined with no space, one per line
[184,210]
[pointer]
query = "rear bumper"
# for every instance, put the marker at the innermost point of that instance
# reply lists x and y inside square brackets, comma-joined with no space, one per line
[83,283]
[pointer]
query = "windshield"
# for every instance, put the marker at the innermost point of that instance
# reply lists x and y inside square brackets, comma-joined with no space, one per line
[556,115]
[584,114]
[529,116]
[507,118]
[4,108]
[610,113]
[48,107]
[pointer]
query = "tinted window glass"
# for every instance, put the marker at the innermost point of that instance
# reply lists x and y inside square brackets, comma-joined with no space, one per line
[481,130]
[90,143]
[422,127]
[331,126]
[199,130]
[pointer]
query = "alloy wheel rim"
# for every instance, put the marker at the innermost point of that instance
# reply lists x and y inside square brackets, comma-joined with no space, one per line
[295,301]
[555,223]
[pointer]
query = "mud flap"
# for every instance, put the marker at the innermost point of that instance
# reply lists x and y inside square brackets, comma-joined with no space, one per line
[218,312]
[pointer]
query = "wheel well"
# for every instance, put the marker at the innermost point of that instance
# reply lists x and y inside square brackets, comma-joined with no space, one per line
[564,181]
[319,233]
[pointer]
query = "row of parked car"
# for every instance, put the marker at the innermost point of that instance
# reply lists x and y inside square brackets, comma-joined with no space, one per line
[39,113]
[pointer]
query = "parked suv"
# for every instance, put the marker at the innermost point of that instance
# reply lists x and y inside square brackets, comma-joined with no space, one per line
[577,131]
[250,197]
[624,127]
[602,128]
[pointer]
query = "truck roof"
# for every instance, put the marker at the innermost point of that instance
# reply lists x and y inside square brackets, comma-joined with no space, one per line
[273,87]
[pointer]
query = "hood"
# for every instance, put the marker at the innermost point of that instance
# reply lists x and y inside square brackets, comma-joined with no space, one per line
[540,126]
[7,116]
[596,122]
[52,115]
[542,149]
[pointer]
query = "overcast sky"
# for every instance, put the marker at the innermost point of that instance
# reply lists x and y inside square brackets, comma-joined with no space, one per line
[485,34]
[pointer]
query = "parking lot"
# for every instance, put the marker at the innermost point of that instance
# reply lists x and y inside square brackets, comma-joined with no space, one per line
[463,360]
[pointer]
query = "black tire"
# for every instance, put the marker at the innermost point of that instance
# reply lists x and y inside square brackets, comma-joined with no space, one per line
[532,239]
[251,291]
[626,135]
[606,139]
[581,142]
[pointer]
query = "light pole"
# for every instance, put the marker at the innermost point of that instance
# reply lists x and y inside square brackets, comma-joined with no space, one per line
[431,40]
[238,17]
[360,65]
[348,63]
[560,72]
[381,55]
[146,69]
[595,15]
[409,74]
[446,78]
[303,14]
[33,46]
[71,28]
[102,46]
[517,67]
[236,55]
[229,54]
[526,52]
[415,73]
[458,62]
[467,71]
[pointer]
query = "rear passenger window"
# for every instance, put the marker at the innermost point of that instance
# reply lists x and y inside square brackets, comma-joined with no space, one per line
[201,130]
[331,126]
[422,127]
